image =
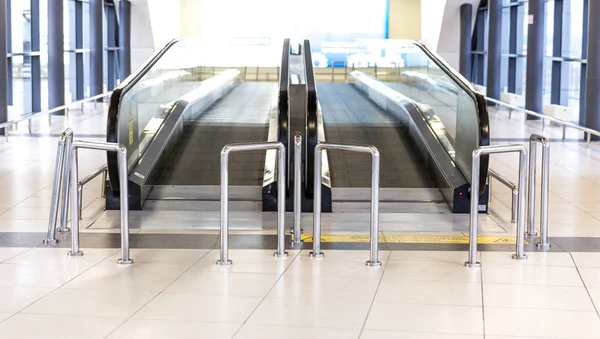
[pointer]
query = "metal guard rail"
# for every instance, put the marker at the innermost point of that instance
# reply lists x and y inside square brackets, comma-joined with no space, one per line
[513,188]
[561,122]
[6,125]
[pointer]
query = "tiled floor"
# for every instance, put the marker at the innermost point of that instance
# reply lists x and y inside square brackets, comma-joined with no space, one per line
[184,294]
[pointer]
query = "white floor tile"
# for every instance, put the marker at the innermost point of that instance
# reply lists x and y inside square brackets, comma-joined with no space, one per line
[531,275]
[458,257]
[246,261]
[35,275]
[533,258]
[429,292]
[225,284]
[250,331]
[111,276]
[159,329]
[163,259]
[4,315]
[59,257]
[359,290]
[199,308]
[9,252]
[334,266]
[374,334]
[591,276]
[586,259]
[556,324]
[595,295]
[425,318]
[310,313]
[92,303]
[15,298]
[431,271]
[57,326]
[533,296]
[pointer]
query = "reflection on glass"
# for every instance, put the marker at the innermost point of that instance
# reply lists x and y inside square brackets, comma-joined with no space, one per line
[450,111]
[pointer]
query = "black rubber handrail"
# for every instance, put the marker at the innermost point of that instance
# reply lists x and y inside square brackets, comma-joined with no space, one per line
[312,131]
[284,106]
[113,109]
[482,109]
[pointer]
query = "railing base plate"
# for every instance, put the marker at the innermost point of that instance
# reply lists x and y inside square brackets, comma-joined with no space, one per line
[473,265]
[224,263]
[316,255]
[516,257]
[280,255]
[541,246]
[75,254]
[373,263]
[125,262]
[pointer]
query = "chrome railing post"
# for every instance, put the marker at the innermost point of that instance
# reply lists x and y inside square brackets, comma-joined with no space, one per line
[75,251]
[531,189]
[297,230]
[79,200]
[474,203]
[59,167]
[224,224]
[514,205]
[374,222]
[545,142]
[64,214]
[513,188]
[124,197]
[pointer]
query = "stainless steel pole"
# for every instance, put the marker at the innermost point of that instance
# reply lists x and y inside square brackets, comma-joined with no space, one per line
[79,200]
[281,253]
[64,215]
[297,232]
[545,193]
[374,260]
[316,252]
[514,205]
[224,257]
[531,191]
[520,246]
[54,202]
[74,210]
[124,197]
[474,210]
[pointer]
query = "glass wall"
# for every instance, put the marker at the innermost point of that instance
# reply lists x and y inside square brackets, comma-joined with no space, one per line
[564,62]
[27,47]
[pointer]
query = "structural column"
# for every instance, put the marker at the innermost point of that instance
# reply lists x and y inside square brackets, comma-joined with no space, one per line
[96,45]
[466,25]
[56,54]
[125,38]
[535,57]
[494,49]
[3,64]
[592,97]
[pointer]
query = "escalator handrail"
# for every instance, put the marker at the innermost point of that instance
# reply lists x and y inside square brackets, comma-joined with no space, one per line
[284,106]
[113,109]
[311,133]
[478,98]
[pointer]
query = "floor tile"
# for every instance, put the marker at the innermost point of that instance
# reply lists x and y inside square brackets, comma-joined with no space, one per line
[9,252]
[163,259]
[93,303]
[533,258]
[250,331]
[595,295]
[199,308]
[374,334]
[325,288]
[431,271]
[225,284]
[15,298]
[4,316]
[59,257]
[532,296]
[531,275]
[35,275]
[334,266]
[159,329]
[57,326]
[591,276]
[109,276]
[310,313]
[556,324]
[246,261]
[451,256]
[425,318]
[429,292]
[586,259]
